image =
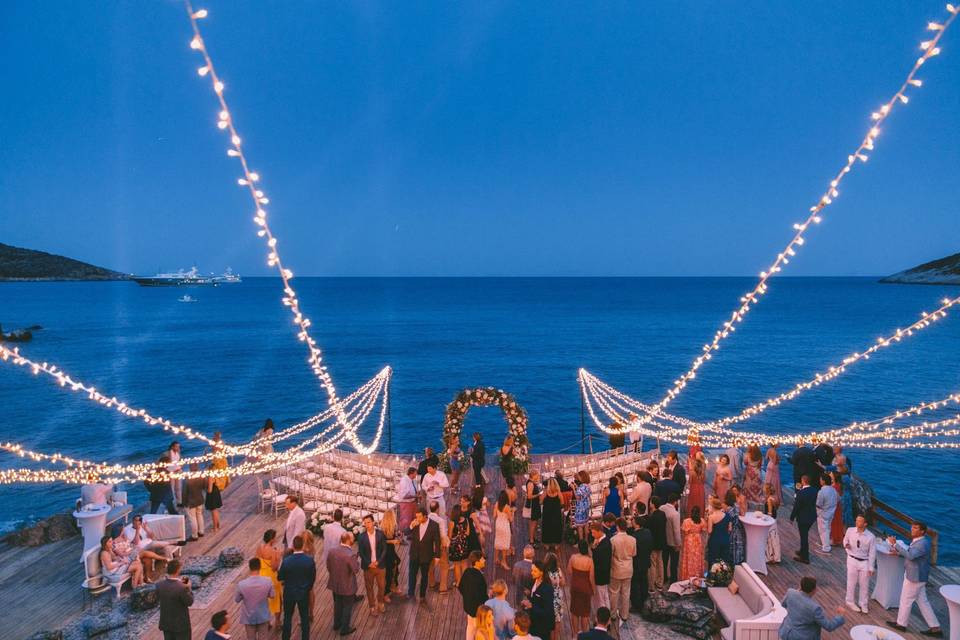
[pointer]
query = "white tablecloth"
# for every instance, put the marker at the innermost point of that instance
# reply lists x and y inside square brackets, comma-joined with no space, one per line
[886,591]
[951,593]
[166,527]
[873,632]
[757,527]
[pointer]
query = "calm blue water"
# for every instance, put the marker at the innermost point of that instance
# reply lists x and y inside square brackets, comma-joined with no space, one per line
[231,360]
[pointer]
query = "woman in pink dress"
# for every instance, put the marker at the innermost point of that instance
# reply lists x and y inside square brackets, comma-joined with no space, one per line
[723,477]
[696,481]
[695,448]
[692,561]
[773,472]
[752,489]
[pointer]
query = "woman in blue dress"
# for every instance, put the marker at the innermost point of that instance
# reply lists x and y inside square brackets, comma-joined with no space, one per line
[613,503]
[738,535]
[718,542]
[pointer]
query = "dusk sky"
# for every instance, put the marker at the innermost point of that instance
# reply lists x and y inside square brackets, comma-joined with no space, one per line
[479,138]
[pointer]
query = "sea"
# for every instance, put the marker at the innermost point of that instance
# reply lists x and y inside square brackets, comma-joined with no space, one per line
[232,359]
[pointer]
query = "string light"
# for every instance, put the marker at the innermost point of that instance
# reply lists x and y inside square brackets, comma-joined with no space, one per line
[815,217]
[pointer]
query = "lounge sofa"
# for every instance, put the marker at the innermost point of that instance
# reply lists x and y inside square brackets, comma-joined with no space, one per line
[753,613]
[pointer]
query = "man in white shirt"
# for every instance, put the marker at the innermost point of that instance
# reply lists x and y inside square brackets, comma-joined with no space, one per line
[296,521]
[442,563]
[434,483]
[861,548]
[736,462]
[331,534]
[827,500]
[138,535]
[174,467]
[406,499]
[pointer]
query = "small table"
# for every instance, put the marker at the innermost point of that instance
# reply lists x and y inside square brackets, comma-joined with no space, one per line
[870,631]
[951,593]
[757,527]
[93,523]
[889,582]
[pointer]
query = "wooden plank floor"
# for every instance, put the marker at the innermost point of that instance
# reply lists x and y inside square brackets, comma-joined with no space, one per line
[42,584]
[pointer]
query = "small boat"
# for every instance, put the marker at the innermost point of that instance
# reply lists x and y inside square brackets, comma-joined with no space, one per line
[191,278]
[187,299]
[228,277]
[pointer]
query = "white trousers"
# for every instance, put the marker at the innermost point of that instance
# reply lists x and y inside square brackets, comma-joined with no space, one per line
[620,597]
[471,627]
[603,595]
[824,521]
[858,575]
[915,592]
[195,518]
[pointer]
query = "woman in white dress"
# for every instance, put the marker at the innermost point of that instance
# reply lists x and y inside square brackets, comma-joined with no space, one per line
[770,506]
[503,518]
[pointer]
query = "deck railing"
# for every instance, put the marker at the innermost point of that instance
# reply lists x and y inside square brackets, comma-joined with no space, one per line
[900,522]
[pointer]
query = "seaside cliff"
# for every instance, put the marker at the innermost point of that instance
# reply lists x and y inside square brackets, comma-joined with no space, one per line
[18,264]
[942,271]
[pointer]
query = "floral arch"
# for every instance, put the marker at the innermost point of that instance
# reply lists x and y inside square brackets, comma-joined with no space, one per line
[513,413]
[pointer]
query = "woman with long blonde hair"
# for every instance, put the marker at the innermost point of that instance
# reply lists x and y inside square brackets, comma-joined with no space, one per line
[552,523]
[388,524]
[485,630]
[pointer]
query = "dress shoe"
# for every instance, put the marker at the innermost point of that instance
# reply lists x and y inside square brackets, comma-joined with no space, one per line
[898,627]
[347,632]
[933,632]
[358,598]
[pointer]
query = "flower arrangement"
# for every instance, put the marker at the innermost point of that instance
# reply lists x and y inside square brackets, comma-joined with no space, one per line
[444,457]
[720,574]
[513,413]
[316,523]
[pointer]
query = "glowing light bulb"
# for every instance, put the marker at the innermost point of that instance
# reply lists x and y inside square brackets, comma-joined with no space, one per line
[200,14]
[218,86]
[196,43]
[202,71]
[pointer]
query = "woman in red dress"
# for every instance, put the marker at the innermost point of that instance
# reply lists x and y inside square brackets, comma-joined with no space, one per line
[696,481]
[837,528]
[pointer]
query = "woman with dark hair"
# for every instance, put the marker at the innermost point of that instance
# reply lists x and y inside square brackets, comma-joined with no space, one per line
[503,519]
[551,567]
[531,506]
[718,525]
[540,603]
[114,566]
[642,492]
[612,501]
[582,588]
[691,556]
[752,489]
[506,457]
[581,511]
[722,477]
[459,542]
[738,535]
[270,558]
[481,518]
[213,502]
[770,506]
[696,482]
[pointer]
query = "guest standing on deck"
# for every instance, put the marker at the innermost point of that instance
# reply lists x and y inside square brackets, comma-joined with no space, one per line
[456,464]
[805,514]
[176,484]
[503,613]
[770,507]
[506,457]
[424,547]
[735,457]
[342,569]
[581,506]
[696,497]
[861,548]
[612,500]
[297,574]
[392,535]
[805,618]
[916,561]
[674,539]
[296,521]
[722,477]
[600,631]
[254,594]
[657,523]
[372,549]
[193,501]
[175,597]
[639,584]
[580,569]
[839,525]
[805,464]
[718,526]
[502,519]
[602,558]
[459,534]
[407,499]
[473,590]
[478,456]
[642,491]
[429,457]
[621,570]
[441,564]
[752,489]
[827,501]
[532,507]
[738,534]
[434,484]
[523,574]
[552,522]
[331,534]
[161,491]
[691,558]
[540,604]
[772,476]
[270,559]
[551,564]
[677,472]
[214,501]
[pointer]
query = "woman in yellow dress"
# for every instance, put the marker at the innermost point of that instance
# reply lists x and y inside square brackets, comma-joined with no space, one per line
[270,557]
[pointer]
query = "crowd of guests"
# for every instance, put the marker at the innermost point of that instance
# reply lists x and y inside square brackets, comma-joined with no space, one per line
[670,526]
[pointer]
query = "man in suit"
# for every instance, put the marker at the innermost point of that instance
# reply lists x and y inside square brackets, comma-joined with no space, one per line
[523,574]
[331,534]
[342,569]
[372,547]
[442,564]
[736,461]
[479,457]
[253,593]
[298,573]
[804,463]
[667,486]
[916,570]
[671,551]
[429,458]
[657,524]
[824,454]
[599,632]
[639,586]
[473,589]
[602,557]
[621,570]
[296,521]
[827,501]
[805,618]
[219,626]
[175,597]
[424,547]
[677,473]
[805,514]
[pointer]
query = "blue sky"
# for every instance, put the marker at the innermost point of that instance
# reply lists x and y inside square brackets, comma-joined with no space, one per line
[673,138]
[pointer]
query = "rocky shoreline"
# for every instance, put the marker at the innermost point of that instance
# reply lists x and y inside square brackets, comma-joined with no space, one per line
[945,271]
[59,526]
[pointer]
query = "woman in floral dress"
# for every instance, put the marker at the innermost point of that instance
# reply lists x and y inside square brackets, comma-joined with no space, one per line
[552,566]
[691,556]
[773,472]
[459,544]
[581,512]
[738,535]
[770,507]
[752,489]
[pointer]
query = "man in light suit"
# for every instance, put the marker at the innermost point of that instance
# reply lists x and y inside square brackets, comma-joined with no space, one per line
[599,632]
[175,597]
[621,570]
[671,553]
[805,514]
[372,547]
[916,570]
[342,569]
[331,534]
[424,547]
[736,462]
[861,548]
[297,573]
[296,521]
[805,618]
[827,501]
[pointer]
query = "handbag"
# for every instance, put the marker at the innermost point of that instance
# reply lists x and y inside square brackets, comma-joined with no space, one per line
[526,512]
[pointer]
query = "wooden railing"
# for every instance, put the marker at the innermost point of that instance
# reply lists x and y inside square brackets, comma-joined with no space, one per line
[900,522]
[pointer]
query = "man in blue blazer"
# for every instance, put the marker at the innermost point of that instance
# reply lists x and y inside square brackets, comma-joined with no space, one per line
[297,573]
[372,546]
[916,571]
[599,632]
[805,514]
[805,618]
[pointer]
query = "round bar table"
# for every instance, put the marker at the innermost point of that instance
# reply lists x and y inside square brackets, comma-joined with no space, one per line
[93,523]
[951,593]
[873,632]
[886,589]
[757,527]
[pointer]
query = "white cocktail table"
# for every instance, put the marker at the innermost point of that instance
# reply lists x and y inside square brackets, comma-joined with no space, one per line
[873,632]
[889,582]
[757,527]
[93,523]
[951,593]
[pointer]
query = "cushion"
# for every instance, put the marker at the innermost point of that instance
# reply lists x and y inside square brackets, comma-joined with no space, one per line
[727,633]
[733,587]
[731,607]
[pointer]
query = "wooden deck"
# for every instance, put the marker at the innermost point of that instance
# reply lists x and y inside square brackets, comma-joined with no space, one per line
[42,584]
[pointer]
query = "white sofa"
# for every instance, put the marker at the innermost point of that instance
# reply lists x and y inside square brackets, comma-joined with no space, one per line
[167,528]
[94,580]
[753,613]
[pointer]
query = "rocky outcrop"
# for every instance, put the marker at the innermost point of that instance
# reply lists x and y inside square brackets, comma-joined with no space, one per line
[26,264]
[942,271]
[57,527]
